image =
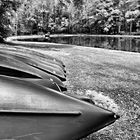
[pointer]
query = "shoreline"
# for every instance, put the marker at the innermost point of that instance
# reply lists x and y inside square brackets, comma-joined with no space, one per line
[37,45]
[12,38]
[98,35]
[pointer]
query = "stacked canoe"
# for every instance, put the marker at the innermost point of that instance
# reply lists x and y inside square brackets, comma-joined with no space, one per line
[33,105]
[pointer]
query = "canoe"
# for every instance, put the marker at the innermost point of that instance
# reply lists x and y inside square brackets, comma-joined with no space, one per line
[30,111]
[15,68]
[33,63]
[45,83]
[28,58]
[34,54]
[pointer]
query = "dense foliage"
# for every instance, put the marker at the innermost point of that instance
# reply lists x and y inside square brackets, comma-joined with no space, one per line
[7,10]
[70,16]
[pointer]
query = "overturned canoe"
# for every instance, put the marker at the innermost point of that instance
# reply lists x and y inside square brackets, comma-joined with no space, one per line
[30,111]
[15,68]
[45,83]
[36,64]
[36,55]
[33,57]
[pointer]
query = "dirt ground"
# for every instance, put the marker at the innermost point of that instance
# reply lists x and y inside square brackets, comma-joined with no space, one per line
[111,79]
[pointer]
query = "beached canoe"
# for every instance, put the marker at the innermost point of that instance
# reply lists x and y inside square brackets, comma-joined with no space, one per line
[34,54]
[36,64]
[30,111]
[15,68]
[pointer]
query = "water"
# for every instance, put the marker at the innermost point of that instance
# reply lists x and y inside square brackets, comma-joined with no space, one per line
[113,43]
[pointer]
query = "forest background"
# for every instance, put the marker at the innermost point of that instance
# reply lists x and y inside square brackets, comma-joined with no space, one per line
[22,17]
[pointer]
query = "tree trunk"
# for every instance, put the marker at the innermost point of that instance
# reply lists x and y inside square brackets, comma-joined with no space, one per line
[130,27]
[119,28]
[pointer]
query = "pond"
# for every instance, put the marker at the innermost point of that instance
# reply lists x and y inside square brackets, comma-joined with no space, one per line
[115,43]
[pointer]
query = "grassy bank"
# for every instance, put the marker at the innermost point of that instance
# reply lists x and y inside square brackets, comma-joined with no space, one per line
[111,79]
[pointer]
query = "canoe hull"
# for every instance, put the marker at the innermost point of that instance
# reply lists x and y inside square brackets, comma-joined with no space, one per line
[29,111]
[50,126]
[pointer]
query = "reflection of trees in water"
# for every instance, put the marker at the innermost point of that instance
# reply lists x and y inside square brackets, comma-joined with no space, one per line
[130,44]
[114,43]
[137,46]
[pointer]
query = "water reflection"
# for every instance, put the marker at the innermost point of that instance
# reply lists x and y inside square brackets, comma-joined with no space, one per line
[114,43]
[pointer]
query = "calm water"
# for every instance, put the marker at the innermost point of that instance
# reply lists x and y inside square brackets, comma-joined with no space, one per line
[114,43]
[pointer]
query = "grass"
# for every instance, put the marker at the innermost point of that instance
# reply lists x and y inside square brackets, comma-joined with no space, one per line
[111,79]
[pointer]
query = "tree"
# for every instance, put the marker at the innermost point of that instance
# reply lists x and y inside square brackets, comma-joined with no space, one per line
[75,16]
[7,9]
[130,13]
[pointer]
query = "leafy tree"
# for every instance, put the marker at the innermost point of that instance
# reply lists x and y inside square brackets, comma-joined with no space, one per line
[76,16]
[7,9]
